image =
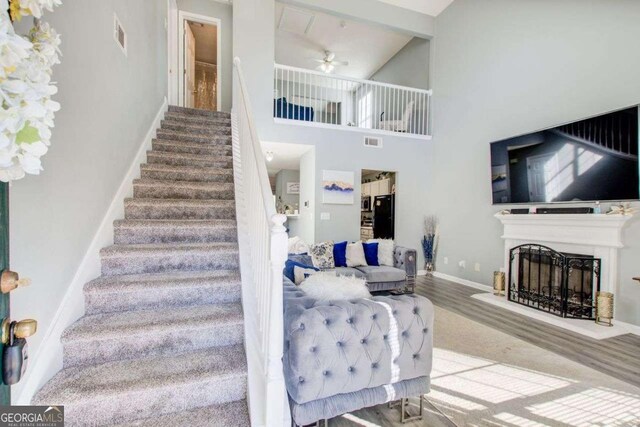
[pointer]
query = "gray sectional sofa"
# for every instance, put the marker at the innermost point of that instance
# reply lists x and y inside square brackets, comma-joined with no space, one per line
[380,278]
[340,356]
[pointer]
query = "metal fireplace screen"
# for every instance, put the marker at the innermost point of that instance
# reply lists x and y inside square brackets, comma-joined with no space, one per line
[558,283]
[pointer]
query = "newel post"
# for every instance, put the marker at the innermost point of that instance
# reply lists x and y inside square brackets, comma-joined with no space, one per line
[278,407]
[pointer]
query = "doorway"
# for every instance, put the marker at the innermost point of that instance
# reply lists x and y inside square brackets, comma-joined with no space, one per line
[377,206]
[199,61]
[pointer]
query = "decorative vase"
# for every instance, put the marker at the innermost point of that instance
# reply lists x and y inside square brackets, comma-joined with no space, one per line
[429,267]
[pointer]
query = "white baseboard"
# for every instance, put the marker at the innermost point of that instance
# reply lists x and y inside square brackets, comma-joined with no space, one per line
[461,281]
[48,359]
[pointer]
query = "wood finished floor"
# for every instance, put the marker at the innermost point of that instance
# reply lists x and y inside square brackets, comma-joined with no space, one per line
[617,357]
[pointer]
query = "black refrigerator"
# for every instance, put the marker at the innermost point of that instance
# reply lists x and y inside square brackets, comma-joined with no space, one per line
[384,217]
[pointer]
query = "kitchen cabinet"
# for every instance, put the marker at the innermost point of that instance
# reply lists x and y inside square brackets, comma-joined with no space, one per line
[366,189]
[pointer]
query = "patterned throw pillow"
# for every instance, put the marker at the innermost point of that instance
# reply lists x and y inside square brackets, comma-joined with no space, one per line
[322,255]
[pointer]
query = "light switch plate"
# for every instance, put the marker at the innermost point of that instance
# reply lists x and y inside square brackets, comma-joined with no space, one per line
[325,216]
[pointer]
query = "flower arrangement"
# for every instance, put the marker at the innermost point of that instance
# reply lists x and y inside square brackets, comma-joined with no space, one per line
[27,110]
[430,242]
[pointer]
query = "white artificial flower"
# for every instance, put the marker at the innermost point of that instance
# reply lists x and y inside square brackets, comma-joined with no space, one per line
[26,108]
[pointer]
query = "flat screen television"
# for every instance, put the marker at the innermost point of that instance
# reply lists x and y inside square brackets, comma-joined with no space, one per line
[595,159]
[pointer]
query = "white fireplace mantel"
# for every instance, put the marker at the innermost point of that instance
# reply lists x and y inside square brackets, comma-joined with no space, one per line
[597,235]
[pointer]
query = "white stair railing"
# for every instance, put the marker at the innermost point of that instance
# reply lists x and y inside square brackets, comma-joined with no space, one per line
[311,97]
[263,251]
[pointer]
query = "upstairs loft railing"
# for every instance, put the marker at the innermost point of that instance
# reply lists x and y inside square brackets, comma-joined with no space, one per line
[263,251]
[310,97]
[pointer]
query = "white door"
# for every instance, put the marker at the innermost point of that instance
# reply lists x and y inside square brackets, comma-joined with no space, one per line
[189,67]
[539,170]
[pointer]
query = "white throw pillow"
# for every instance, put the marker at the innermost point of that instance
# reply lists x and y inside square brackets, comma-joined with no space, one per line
[300,274]
[328,288]
[385,251]
[297,246]
[355,254]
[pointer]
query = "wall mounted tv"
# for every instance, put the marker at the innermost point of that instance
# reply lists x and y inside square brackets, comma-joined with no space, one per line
[595,159]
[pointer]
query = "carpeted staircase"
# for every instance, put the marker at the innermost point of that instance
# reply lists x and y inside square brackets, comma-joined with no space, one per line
[161,343]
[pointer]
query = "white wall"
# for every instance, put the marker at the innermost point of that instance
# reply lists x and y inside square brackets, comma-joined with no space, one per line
[306,222]
[344,151]
[503,68]
[409,67]
[108,103]
[224,12]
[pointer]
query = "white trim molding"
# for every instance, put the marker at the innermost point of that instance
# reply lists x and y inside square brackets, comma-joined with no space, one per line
[48,359]
[598,235]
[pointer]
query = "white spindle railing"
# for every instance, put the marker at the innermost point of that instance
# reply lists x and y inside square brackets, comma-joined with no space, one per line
[308,96]
[263,251]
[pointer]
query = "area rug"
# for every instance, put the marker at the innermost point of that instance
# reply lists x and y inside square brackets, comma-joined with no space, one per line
[483,377]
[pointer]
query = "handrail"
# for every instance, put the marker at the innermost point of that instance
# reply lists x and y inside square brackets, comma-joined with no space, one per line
[269,208]
[262,240]
[352,79]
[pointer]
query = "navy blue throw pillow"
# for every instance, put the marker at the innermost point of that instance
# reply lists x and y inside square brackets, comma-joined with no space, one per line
[340,254]
[288,269]
[371,253]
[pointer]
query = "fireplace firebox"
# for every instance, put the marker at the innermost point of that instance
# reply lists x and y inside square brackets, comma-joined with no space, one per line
[558,283]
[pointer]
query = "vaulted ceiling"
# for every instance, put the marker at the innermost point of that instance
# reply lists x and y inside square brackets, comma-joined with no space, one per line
[303,35]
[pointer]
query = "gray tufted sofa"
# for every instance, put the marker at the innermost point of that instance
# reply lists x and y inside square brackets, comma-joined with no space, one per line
[380,278]
[341,356]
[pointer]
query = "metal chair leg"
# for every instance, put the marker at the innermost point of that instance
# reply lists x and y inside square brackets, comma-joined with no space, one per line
[403,403]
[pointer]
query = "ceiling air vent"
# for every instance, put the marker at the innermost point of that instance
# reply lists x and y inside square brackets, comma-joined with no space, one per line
[119,35]
[373,141]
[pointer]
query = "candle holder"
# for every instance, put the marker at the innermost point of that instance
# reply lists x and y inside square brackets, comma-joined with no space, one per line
[604,308]
[498,283]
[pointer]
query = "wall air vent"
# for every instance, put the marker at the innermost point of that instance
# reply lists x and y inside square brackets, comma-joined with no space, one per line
[119,34]
[373,141]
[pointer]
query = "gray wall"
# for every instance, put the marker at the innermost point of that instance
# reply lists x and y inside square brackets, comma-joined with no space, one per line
[344,151]
[503,68]
[224,12]
[408,67]
[306,222]
[282,178]
[108,103]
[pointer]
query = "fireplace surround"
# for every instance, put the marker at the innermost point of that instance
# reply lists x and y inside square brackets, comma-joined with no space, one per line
[562,284]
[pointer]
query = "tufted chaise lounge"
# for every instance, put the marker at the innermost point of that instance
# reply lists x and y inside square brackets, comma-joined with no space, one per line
[341,356]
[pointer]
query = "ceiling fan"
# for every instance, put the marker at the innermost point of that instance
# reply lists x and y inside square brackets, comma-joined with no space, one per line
[328,63]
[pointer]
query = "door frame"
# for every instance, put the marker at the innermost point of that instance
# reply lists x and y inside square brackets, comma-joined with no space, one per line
[179,40]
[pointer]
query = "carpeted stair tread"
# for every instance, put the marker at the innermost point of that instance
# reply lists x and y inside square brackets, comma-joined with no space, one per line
[216,129]
[198,112]
[160,189]
[163,172]
[121,391]
[188,159]
[105,337]
[108,294]
[166,145]
[197,119]
[157,258]
[193,137]
[128,324]
[133,231]
[153,208]
[233,414]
